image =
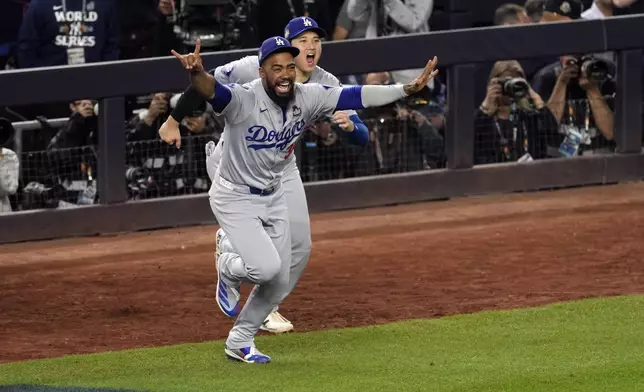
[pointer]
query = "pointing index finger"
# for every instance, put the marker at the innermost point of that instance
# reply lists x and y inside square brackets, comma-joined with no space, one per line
[175,54]
[197,47]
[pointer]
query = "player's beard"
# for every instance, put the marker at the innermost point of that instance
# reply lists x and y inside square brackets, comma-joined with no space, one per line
[280,99]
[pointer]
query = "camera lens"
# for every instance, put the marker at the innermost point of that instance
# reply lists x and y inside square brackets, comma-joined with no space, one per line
[515,88]
[595,69]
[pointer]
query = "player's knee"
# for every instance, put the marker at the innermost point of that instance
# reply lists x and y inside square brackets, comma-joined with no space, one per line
[264,272]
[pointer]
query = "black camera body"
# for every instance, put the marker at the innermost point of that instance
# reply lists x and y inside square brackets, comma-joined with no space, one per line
[514,88]
[596,69]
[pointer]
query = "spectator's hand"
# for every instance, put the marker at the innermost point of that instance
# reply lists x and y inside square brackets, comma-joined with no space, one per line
[536,98]
[402,113]
[570,69]
[342,120]
[585,82]
[169,132]
[420,82]
[157,108]
[166,7]
[490,104]
[196,124]
[191,61]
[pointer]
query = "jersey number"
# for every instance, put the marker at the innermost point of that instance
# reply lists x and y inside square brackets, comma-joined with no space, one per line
[290,150]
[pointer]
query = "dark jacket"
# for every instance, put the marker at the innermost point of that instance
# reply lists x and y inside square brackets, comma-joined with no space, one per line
[79,131]
[492,135]
[51,27]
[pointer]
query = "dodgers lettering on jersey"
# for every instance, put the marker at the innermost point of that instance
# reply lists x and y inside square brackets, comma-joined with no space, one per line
[261,137]
[245,70]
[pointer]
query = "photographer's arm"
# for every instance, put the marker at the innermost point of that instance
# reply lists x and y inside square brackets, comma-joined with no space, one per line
[557,101]
[604,118]
[410,15]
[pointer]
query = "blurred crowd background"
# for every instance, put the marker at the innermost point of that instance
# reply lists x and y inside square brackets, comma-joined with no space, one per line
[540,108]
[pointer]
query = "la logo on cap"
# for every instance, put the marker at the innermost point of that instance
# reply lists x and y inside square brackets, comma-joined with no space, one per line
[307,21]
[279,42]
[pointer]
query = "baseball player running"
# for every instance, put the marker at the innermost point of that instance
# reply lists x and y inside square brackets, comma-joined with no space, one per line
[304,34]
[263,120]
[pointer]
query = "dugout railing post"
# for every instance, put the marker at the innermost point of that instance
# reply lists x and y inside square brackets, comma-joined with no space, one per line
[628,102]
[459,134]
[111,151]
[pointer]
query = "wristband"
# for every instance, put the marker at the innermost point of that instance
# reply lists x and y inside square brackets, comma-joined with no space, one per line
[189,102]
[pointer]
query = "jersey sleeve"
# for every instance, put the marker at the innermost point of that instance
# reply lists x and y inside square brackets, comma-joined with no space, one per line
[323,99]
[239,71]
[329,79]
[233,101]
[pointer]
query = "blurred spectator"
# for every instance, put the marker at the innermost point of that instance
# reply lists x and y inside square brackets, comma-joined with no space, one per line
[275,14]
[10,19]
[424,142]
[599,10]
[561,10]
[145,124]
[147,28]
[579,91]
[534,9]
[395,17]
[345,28]
[510,14]
[377,117]
[513,123]
[68,32]
[81,129]
[628,7]
[9,174]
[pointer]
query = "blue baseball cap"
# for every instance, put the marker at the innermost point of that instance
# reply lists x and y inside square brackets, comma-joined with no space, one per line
[301,24]
[276,45]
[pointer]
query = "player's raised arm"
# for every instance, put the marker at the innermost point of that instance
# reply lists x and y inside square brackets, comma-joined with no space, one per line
[360,97]
[234,72]
[201,80]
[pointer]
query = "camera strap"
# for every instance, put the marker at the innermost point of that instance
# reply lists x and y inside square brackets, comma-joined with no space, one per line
[504,142]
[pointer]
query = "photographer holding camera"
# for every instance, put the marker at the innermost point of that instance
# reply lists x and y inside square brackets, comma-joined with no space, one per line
[513,123]
[580,92]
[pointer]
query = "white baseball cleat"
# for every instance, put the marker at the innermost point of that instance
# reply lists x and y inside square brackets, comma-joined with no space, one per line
[276,323]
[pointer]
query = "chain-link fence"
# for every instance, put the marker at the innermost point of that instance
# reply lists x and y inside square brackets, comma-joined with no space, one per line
[401,140]
[556,130]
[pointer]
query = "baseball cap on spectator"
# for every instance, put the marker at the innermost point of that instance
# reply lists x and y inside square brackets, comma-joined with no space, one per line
[275,45]
[556,10]
[299,25]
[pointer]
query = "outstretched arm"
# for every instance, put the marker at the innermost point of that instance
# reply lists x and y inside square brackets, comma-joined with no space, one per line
[330,99]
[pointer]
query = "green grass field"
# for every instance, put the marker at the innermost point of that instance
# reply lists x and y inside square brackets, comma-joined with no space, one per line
[591,345]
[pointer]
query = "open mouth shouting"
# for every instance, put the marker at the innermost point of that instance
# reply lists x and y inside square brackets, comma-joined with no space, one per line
[310,59]
[283,86]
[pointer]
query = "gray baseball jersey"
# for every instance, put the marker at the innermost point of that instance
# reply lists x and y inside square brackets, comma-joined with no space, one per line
[246,70]
[261,136]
